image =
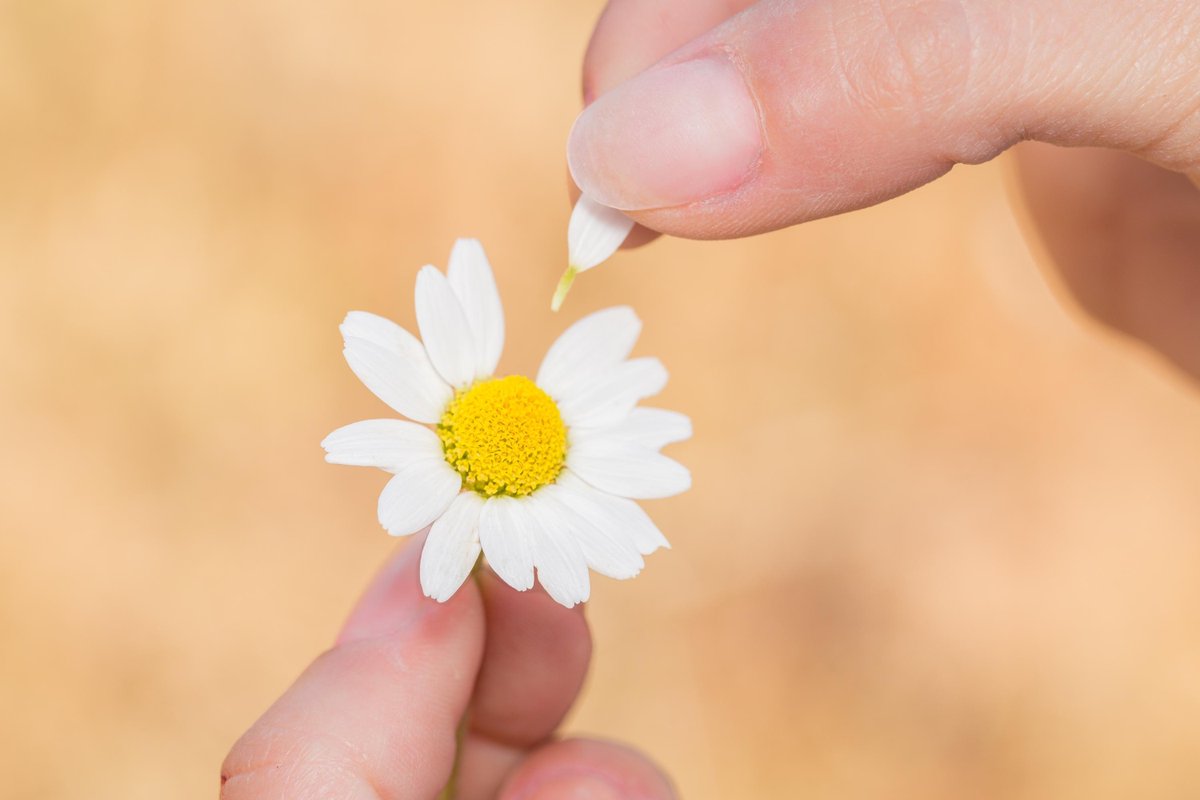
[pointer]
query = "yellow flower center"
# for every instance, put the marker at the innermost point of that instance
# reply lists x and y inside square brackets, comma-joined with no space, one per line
[504,436]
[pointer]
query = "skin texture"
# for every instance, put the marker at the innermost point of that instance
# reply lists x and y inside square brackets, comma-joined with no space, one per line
[857,101]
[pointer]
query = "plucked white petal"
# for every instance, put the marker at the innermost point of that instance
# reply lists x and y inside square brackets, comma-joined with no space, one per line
[470,276]
[507,532]
[618,513]
[607,547]
[649,427]
[392,363]
[627,470]
[419,492]
[594,233]
[384,443]
[593,344]
[444,328]
[610,398]
[452,548]
[561,568]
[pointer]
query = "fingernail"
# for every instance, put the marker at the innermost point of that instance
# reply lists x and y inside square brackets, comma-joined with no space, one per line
[393,601]
[670,136]
[578,787]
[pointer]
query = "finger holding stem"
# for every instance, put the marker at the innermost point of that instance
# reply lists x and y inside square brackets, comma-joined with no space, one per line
[418,697]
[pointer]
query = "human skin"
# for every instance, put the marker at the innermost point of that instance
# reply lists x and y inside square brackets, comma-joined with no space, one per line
[858,101]
[850,102]
[375,717]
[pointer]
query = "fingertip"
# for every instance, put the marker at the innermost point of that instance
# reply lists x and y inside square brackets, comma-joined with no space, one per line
[676,134]
[587,769]
[631,36]
[579,787]
[393,599]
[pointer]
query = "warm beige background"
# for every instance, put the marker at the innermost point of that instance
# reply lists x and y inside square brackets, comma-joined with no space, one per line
[944,540]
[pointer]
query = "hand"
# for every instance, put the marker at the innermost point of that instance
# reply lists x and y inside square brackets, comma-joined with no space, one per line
[726,118]
[375,717]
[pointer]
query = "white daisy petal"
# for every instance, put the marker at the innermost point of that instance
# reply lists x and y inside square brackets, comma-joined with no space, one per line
[471,278]
[384,443]
[649,427]
[507,533]
[452,548]
[594,233]
[627,470]
[612,396]
[419,492]
[617,513]
[596,342]
[444,328]
[392,363]
[607,547]
[561,567]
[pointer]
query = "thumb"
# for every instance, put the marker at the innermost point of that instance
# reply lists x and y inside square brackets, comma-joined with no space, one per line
[790,111]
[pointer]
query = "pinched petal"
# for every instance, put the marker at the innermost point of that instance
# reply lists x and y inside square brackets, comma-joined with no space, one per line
[617,513]
[393,364]
[594,233]
[418,493]
[471,278]
[507,532]
[452,548]
[610,398]
[385,443]
[444,328]
[627,470]
[608,548]
[653,428]
[561,566]
[592,345]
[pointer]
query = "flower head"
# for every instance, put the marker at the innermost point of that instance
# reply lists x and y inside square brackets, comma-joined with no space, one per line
[538,475]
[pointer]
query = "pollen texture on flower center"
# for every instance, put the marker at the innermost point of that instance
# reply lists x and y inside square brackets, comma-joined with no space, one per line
[504,436]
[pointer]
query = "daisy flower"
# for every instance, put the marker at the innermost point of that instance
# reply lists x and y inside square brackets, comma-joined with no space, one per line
[540,475]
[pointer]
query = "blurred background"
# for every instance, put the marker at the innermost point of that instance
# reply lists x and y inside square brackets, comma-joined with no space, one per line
[944,540]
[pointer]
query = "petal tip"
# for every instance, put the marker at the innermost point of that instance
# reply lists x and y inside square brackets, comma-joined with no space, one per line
[427,273]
